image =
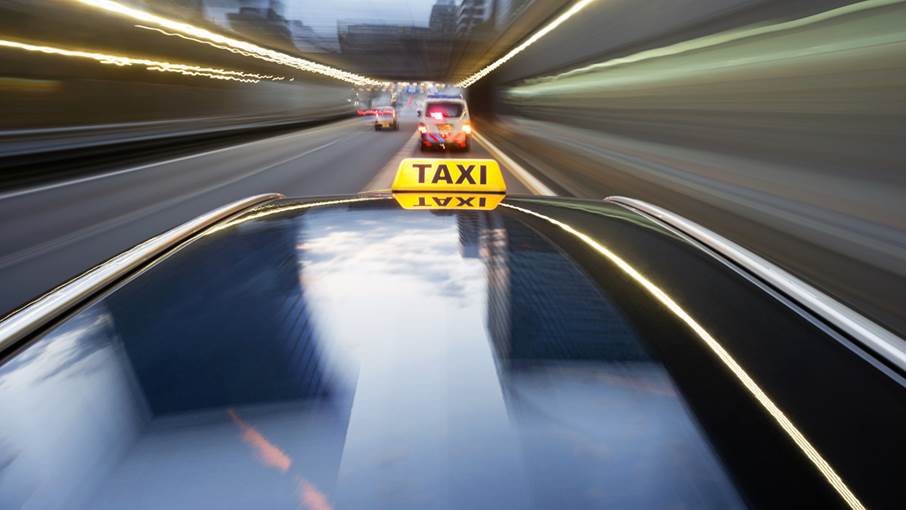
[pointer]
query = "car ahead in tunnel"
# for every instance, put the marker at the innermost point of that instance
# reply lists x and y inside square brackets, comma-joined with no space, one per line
[385,117]
[445,345]
[444,124]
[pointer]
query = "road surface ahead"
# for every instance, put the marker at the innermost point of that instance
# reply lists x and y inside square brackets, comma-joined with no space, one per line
[54,232]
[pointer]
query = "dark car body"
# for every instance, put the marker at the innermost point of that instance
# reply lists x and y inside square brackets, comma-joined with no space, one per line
[345,353]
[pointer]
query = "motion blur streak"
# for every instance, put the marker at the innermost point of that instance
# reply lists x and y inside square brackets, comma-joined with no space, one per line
[151,65]
[311,497]
[750,385]
[559,20]
[250,49]
[218,46]
[827,41]
[269,454]
[829,45]
[783,130]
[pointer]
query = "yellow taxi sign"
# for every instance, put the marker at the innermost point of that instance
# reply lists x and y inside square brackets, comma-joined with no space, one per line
[449,201]
[451,175]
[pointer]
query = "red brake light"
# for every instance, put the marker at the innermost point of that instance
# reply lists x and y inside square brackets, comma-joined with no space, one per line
[422,128]
[437,115]
[467,129]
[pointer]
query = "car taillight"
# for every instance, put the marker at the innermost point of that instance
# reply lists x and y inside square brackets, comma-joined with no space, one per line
[467,129]
[437,115]
[422,128]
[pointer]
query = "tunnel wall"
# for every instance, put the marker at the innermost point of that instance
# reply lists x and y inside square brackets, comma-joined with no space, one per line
[827,92]
[68,101]
[618,28]
[51,99]
[68,113]
[779,125]
[51,105]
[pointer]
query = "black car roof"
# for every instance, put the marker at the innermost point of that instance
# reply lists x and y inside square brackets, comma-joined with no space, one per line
[346,352]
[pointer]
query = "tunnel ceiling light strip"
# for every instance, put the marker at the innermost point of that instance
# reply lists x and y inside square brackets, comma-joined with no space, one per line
[747,382]
[723,38]
[559,20]
[220,41]
[187,38]
[151,65]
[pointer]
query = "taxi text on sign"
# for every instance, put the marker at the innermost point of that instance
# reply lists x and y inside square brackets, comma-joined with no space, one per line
[453,175]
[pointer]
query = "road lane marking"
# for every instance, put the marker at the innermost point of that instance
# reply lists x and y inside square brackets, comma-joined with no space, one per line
[57,243]
[525,177]
[80,180]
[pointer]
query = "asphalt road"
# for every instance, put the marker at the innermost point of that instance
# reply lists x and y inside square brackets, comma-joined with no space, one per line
[54,232]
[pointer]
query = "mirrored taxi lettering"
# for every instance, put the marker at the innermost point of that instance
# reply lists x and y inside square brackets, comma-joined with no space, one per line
[460,201]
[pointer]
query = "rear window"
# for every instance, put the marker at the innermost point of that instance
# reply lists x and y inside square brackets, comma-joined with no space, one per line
[446,109]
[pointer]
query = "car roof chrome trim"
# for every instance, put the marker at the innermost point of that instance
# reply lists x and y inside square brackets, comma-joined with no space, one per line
[26,320]
[869,334]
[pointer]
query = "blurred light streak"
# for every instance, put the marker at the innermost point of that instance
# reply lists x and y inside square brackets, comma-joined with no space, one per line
[218,46]
[269,453]
[741,375]
[272,456]
[559,20]
[151,65]
[311,497]
[249,49]
[835,42]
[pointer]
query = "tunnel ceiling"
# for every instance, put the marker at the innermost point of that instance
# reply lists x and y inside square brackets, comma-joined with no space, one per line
[408,40]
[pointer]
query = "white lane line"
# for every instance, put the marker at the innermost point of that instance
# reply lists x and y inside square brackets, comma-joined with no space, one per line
[90,178]
[384,178]
[57,243]
[534,185]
